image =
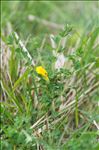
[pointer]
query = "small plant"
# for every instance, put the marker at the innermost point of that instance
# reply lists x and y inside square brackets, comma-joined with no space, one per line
[49,84]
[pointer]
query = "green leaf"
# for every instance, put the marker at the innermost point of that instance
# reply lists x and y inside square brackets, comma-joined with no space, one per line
[66,31]
[24,76]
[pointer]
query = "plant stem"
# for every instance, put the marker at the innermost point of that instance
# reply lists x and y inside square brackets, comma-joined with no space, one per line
[76,110]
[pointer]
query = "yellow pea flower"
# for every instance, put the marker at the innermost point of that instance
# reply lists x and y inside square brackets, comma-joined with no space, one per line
[40,70]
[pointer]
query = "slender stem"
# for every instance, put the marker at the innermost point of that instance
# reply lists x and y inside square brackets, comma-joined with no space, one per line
[14,147]
[59,44]
[76,110]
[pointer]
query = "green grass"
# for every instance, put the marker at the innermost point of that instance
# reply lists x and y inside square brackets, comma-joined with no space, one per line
[62,114]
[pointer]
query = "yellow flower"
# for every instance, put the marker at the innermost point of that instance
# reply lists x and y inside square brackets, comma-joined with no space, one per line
[40,70]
